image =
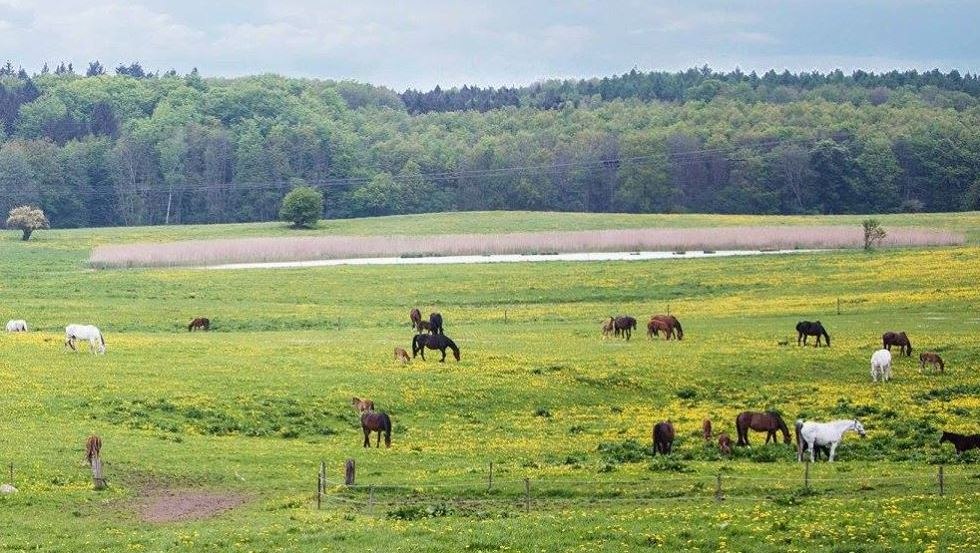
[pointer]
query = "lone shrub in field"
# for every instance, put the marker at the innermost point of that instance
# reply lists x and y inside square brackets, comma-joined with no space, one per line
[302,206]
[27,219]
[874,233]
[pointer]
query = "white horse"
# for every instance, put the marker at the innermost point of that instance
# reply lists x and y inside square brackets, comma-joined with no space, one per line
[96,343]
[881,365]
[17,325]
[823,433]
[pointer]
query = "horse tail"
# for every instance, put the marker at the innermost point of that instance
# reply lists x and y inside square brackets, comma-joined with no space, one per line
[826,337]
[386,423]
[799,439]
[101,339]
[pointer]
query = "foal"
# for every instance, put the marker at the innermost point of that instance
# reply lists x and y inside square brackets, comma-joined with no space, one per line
[402,355]
[931,358]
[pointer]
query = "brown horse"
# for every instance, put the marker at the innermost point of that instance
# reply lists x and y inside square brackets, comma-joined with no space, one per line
[673,323]
[768,422]
[362,405]
[624,325]
[416,316]
[374,421]
[899,339]
[706,429]
[92,448]
[663,437]
[608,327]
[961,442]
[656,326]
[402,355]
[724,444]
[423,326]
[932,358]
[200,323]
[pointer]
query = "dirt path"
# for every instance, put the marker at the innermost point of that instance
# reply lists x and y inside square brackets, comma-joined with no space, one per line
[184,505]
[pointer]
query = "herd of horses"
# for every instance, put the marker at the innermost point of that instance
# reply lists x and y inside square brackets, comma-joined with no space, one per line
[624,325]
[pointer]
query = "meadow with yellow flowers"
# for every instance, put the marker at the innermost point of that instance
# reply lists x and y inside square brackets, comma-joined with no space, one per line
[252,407]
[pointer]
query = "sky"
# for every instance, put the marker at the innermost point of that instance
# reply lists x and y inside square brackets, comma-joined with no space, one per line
[490,42]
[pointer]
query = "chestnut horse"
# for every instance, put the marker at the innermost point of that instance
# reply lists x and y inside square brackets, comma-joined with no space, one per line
[656,326]
[92,448]
[623,325]
[673,323]
[932,358]
[374,421]
[706,429]
[362,405]
[724,444]
[416,317]
[608,327]
[768,422]
[663,437]
[402,355]
[201,323]
[899,339]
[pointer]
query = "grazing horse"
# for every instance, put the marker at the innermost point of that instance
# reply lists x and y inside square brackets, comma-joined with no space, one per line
[92,448]
[899,339]
[807,328]
[200,323]
[932,358]
[663,437]
[673,323]
[656,326]
[724,444]
[433,341]
[435,323]
[402,355]
[608,327]
[375,421]
[422,326]
[817,434]
[706,430]
[96,343]
[416,317]
[624,325]
[362,405]
[17,325]
[768,422]
[961,442]
[881,365]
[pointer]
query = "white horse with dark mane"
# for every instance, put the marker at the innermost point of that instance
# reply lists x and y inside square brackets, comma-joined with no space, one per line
[17,325]
[822,434]
[881,365]
[96,343]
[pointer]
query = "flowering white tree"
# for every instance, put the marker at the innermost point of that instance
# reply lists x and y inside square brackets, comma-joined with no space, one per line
[27,219]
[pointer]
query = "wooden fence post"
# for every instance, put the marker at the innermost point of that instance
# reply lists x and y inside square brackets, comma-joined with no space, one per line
[319,489]
[349,472]
[527,495]
[942,483]
[838,306]
[718,495]
[490,478]
[97,479]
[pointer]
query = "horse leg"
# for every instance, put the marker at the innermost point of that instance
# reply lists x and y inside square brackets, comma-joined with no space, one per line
[378,445]
[833,450]
[813,447]
[443,360]
[367,437]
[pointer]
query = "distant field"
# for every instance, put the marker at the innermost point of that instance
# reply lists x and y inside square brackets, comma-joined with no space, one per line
[251,408]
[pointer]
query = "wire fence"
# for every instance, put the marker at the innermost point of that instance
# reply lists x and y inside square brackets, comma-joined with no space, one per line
[538,494]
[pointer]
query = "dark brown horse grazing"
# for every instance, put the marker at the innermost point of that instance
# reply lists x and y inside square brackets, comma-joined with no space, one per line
[202,323]
[623,325]
[376,421]
[706,429]
[768,422]
[931,358]
[656,326]
[435,323]
[962,442]
[899,339]
[416,316]
[663,438]
[433,341]
[806,328]
[92,448]
[724,444]
[673,323]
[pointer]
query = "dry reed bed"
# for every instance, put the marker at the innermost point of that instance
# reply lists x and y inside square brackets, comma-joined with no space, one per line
[307,248]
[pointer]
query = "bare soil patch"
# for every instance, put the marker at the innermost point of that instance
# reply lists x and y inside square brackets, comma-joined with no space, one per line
[184,505]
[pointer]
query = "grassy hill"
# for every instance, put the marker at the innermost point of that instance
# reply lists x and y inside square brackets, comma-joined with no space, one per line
[251,408]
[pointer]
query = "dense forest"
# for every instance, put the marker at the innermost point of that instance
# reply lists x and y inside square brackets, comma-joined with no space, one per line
[135,147]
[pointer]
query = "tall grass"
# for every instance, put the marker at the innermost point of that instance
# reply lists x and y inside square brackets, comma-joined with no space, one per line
[251,250]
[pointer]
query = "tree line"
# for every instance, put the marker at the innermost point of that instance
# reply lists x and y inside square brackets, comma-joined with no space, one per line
[138,147]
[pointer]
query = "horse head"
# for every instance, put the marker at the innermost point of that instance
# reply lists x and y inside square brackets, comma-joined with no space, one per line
[859,428]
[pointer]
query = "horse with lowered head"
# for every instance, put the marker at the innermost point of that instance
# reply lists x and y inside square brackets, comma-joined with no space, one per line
[376,421]
[807,328]
[931,358]
[672,323]
[656,326]
[899,339]
[768,422]
[434,341]
[624,325]
[200,323]
[416,317]
[17,325]
[96,343]
[663,437]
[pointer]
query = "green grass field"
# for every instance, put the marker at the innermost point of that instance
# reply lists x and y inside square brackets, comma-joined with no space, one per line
[252,407]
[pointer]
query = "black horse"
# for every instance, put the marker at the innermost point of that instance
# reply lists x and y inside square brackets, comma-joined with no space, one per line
[806,328]
[433,341]
[624,325]
[435,323]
